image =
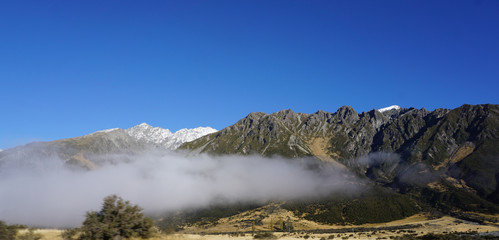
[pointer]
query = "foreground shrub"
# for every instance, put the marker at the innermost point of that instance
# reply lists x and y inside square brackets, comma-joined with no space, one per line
[118,219]
[7,232]
[265,235]
[70,234]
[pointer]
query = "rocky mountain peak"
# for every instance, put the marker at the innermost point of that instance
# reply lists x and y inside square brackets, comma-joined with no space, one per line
[288,116]
[321,115]
[376,117]
[346,114]
[255,115]
[286,112]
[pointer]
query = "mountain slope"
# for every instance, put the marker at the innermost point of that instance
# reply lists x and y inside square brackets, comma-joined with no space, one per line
[447,152]
[344,134]
[94,149]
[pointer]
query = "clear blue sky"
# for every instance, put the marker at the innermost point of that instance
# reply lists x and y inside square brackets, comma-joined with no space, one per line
[68,68]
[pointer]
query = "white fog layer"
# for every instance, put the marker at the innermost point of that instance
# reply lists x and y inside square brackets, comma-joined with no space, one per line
[47,193]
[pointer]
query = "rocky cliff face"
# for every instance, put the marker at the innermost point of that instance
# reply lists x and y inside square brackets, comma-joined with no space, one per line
[416,134]
[443,148]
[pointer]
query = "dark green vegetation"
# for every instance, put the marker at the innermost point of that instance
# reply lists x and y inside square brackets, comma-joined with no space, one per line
[171,222]
[8,232]
[377,205]
[441,160]
[265,235]
[11,232]
[117,219]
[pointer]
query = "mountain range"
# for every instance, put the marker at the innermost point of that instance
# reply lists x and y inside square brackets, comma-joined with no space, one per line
[90,151]
[444,160]
[448,159]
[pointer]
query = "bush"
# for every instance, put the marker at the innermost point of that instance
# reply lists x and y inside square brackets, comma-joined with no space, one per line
[117,219]
[265,235]
[7,232]
[70,234]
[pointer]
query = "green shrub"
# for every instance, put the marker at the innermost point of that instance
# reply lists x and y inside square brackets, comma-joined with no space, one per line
[265,235]
[372,206]
[118,219]
[70,234]
[7,232]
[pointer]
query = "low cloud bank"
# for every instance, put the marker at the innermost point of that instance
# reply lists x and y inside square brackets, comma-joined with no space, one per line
[47,193]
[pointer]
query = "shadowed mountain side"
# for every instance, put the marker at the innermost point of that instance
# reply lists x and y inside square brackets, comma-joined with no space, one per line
[453,152]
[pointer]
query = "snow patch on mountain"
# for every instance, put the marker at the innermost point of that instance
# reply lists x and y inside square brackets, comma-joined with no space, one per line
[107,130]
[164,137]
[396,107]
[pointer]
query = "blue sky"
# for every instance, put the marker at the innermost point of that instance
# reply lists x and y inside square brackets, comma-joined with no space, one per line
[68,68]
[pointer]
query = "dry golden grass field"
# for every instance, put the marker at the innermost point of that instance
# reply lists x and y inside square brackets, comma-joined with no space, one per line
[436,226]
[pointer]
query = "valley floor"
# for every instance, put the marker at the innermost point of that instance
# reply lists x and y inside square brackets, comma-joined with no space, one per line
[416,225]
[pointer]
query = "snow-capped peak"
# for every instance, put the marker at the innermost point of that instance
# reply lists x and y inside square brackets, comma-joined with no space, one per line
[396,107]
[148,133]
[187,135]
[164,137]
[1,150]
